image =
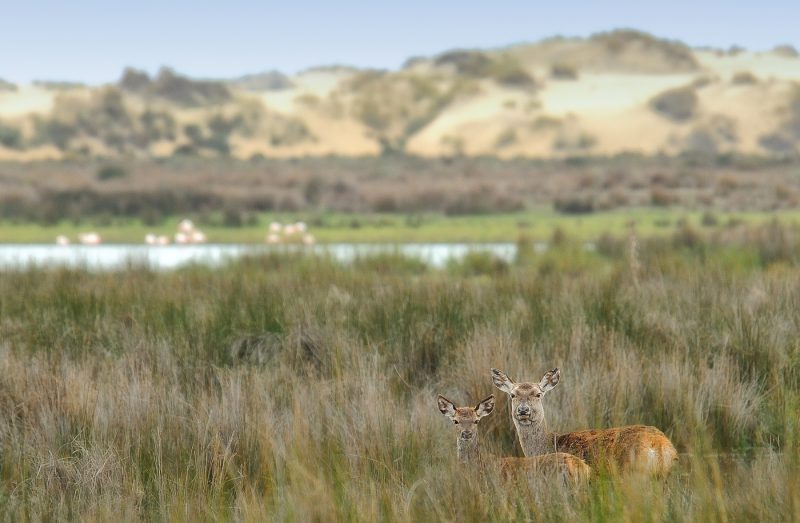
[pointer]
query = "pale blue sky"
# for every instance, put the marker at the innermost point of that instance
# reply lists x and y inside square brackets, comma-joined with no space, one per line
[91,41]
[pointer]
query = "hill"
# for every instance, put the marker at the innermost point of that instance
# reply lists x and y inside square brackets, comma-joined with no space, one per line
[612,93]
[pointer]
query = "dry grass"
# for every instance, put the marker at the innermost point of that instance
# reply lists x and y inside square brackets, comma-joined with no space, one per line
[129,393]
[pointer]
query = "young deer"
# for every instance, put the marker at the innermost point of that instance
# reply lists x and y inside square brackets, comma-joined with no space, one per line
[631,448]
[571,468]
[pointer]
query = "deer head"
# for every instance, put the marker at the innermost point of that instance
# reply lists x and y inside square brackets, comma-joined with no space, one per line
[466,419]
[526,397]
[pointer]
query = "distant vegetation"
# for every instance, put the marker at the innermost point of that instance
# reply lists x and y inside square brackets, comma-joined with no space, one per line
[59,85]
[677,104]
[48,193]
[175,88]
[561,71]
[673,54]
[787,51]
[464,102]
[744,78]
[269,81]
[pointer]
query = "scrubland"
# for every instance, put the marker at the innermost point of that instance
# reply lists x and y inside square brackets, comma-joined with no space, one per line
[96,192]
[289,387]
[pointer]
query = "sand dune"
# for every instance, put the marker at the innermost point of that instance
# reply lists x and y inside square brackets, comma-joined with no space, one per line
[505,102]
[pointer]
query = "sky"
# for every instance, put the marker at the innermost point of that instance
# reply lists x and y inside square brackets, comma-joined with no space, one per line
[92,41]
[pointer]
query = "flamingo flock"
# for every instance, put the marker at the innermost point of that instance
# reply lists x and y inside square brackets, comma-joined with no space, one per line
[187,233]
[84,238]
[289,233]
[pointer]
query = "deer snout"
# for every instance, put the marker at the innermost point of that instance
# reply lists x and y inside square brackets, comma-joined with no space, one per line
[467,434]
[523,410]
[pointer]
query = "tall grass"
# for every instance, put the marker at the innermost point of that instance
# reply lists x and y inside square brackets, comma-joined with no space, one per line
[293,388]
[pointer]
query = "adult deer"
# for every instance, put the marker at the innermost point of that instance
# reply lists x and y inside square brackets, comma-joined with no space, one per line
[569,467]
[631,448]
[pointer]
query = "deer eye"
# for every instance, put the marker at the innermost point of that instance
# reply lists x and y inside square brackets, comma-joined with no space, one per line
[455,422]
[513,396]
[539,395]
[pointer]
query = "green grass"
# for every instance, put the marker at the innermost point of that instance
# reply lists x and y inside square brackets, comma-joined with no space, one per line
[293,388]
[424,228]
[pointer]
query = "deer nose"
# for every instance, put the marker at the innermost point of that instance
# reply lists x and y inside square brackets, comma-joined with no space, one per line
[466,435]
[523,410]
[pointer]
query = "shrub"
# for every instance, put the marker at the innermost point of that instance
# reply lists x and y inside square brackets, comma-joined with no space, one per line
[232,216]
[10,137]
[134,80]
[55,132]
[744,78]
[7,86]
[508,71]
[562,71]
[662,197]
[184,91]
[786,51]
[110,172]
[469,63]
[675,54]
[574,205]
[677,104]
[777,143]
[709,220]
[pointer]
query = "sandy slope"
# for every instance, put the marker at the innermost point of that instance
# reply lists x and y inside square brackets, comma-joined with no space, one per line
[763,65]
[26,100]
[605,110]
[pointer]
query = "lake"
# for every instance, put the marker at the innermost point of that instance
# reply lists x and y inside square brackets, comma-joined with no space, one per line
[172,256]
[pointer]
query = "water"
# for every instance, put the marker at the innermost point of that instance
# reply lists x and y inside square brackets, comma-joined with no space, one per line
[173,256]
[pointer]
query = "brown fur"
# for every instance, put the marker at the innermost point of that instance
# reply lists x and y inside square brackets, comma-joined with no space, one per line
[572,468]
[631,448]
[557,464]
[635,448]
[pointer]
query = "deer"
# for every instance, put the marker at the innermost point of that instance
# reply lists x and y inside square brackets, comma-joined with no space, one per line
[632,448]
[571,468]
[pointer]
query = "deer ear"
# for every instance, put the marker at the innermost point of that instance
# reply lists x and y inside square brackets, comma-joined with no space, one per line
[446,407]
[502,381]
[485,407]
[550,380]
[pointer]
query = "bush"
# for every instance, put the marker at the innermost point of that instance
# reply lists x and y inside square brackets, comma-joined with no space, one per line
[677,104]
[561,71]
[777,143]
[55,132]
[574,205]
[785,50]
[507,71]
[662,197]
[709,220]
[7,86]
[110,172]
[187,92]
[232,217]
[744,78]
[10,137]
[470,63]
[134,80]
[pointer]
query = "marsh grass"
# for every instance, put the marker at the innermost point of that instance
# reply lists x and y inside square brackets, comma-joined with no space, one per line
[289,387]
